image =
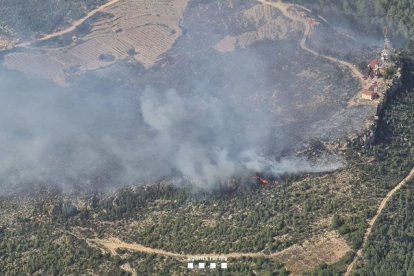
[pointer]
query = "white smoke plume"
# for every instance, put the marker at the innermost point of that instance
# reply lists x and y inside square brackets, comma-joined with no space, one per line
[93,138]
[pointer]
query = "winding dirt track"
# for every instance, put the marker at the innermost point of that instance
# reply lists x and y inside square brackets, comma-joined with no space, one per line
[78,22]
[371,223]
[113,243]
[284,8]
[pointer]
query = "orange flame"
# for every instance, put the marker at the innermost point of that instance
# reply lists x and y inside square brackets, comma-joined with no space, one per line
[262,181]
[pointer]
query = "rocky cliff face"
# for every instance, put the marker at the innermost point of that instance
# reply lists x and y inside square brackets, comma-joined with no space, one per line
[370,133]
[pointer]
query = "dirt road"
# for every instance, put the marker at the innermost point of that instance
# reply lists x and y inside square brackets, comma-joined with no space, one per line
[78,22]
[371,223]
[284,8]
[327,248]
[113,243]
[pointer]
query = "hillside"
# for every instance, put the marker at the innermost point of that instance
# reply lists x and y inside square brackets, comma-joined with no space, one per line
[370,14]
[24,18]
[292,211]
[146,136]
[389,249]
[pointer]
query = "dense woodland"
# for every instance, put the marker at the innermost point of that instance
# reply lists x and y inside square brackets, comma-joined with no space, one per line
[42,16]
[397,15]
[390,248]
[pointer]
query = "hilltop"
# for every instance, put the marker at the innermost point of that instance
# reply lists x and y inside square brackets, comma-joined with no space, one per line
[354,219]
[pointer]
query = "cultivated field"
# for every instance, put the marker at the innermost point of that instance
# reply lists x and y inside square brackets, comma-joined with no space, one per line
[142,30]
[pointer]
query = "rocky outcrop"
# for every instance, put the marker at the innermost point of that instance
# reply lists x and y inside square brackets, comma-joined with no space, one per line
[369,135]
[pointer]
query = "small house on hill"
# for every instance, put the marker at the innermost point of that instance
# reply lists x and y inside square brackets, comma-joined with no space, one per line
[369,95]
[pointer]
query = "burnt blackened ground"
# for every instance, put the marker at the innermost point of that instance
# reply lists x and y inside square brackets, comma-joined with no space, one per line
[301,93]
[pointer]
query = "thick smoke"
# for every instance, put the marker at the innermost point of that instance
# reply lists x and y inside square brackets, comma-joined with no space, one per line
[99,137]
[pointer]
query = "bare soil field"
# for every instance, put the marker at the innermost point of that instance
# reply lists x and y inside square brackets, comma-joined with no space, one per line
[269,25]
[328,249]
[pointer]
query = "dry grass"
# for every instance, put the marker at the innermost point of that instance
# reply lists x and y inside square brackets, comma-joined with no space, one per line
[268,26]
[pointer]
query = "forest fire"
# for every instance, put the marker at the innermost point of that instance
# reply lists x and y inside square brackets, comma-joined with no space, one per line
[261,180]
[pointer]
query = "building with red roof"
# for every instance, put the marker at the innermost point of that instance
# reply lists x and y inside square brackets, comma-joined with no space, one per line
[374,64]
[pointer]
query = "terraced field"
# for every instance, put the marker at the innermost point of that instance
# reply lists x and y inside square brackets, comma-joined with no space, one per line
[179,44]
[128,29]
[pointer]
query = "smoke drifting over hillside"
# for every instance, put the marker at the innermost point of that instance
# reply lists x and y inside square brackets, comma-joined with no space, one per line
[98,138]
[199,113]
